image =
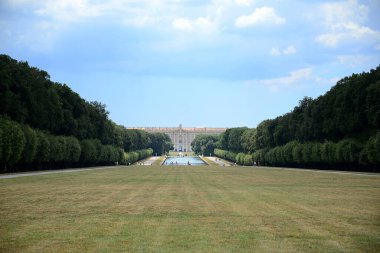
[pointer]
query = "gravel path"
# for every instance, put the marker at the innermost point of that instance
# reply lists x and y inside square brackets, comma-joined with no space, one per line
[219,161]
[149,161]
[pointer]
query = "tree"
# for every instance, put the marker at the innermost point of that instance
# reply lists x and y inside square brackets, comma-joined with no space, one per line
[248,140]
[12,142]
[89,152]
[43,148]
[316,153]
[297,153]
[30,148]
[234,139]
[73,150]
[248,161]
[371,150]
[328,152]
[160,143]
[204,144]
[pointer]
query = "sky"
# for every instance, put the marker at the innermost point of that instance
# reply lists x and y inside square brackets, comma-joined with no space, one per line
[218,63]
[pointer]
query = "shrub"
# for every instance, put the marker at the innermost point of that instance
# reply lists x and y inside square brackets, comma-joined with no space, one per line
[43,148]
[30,144]
[240,158]
[316,153]
[248,161]
[73,148]
[89,152]
[297,153]
[12,141]
[328,152]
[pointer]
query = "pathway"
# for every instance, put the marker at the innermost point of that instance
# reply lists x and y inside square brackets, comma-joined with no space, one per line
[148,161]
[219,161]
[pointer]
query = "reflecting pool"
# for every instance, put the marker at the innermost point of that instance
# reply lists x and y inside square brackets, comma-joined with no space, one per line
[186,160]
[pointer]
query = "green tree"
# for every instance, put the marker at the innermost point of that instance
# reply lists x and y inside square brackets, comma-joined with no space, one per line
[248,140]
[160,143]
[89,152]
[30,145]
[248,161]
[204,144]
[316,153]
[12,142]
[73,149]
[372,149]
[43,148]
[328,151]
[234,139]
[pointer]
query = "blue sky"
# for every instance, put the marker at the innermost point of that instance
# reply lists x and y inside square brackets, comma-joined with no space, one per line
[198,63]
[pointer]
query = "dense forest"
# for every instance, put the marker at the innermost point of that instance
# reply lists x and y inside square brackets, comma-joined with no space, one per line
[339,130]
[45,125]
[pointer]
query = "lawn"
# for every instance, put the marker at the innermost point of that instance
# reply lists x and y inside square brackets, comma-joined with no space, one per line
[190,209]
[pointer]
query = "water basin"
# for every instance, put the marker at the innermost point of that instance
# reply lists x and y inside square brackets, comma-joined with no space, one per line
[186,160]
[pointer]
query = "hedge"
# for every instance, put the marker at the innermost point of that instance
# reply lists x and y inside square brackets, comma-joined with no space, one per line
[23,147]
[228,155]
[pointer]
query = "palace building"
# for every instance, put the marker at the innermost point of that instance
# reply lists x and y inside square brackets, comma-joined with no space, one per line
[182,136]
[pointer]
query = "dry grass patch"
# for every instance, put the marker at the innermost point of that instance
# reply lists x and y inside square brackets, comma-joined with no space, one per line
[195,209]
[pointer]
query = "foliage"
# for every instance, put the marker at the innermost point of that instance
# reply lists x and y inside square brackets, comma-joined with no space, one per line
[204,144]
[22,145]
[47,125]
[228,155]
[29,97]
[231,139]
[132,157]
[160,143]
[30,147]
[89,154]
[336,130]
[12,142]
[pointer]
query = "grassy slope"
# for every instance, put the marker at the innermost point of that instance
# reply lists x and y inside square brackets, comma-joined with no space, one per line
[196,209]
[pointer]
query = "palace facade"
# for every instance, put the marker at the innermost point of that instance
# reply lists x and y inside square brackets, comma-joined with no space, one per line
[182,136]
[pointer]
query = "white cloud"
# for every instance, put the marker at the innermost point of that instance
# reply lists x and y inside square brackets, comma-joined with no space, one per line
[329,39]
[357,60]
[377,47]
[344,21]
[243,2]
[290,50]
[287,51]
[137,13]
[295,79]
[69,10]
[200,24]
[346,32]
[275,51]
[263,15]
[182,24]
[342,12]
[140,21]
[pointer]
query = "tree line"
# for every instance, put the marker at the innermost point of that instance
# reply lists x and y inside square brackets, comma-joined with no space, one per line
[204,144]
[44,124]
[338,130]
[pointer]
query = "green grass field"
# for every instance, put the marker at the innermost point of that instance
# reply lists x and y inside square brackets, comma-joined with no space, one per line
[190,209]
